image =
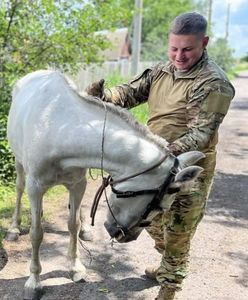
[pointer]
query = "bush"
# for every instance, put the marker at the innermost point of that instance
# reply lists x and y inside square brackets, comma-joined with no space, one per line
[7,169]
[222,54]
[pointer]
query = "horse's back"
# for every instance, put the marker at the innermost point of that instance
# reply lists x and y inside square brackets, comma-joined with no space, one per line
[37,99]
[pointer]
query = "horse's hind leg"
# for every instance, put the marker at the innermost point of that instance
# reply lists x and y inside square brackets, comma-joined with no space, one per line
[14,230]
[76,269]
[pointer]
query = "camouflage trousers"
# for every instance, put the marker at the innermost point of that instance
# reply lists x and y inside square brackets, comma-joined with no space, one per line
[174,229]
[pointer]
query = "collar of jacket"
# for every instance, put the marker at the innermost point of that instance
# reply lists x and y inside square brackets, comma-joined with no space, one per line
[192,73]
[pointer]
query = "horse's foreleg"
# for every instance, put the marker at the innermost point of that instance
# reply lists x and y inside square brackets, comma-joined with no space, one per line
[85,233]
[14,230]
[33,288]
[76,269]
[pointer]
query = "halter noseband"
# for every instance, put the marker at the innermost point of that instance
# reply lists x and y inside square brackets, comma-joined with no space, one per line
[159,192]
[154,204]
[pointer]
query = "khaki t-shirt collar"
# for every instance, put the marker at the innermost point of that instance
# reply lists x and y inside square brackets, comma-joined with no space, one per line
[192,73]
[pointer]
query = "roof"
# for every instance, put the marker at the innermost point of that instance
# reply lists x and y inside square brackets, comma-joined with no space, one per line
[120,44]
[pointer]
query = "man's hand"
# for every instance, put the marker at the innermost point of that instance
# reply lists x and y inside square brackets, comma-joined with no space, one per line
[173,149]
[96,89]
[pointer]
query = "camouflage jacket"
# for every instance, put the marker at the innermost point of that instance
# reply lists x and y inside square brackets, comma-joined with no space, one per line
[185,108]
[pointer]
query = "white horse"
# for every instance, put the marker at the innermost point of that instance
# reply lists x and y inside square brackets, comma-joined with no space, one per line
[56,134]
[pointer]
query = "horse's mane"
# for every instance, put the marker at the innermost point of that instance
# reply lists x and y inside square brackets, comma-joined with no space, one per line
[122,113]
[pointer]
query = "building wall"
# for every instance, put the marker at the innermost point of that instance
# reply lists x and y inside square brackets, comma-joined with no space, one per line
[94,72]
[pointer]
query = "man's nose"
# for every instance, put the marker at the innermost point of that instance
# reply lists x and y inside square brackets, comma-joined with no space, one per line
[180,55]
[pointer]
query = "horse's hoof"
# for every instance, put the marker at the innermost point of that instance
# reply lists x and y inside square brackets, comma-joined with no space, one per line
[12,236]
[33,294]
[86,235]
[79,276]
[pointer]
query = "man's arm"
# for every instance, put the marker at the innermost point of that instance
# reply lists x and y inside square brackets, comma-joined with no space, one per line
[125,95]
[206,110]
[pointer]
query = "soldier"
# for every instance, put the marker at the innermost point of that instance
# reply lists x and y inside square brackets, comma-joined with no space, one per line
[188,98]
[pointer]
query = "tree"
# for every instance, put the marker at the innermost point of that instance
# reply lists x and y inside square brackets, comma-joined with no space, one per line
[245,58]
[41,33]
[157,16]
[222,54]
[35,34]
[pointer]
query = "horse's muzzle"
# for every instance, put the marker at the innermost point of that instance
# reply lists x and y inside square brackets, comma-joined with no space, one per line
[119,235]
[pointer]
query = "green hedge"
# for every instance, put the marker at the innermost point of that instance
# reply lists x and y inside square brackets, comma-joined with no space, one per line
[7,169]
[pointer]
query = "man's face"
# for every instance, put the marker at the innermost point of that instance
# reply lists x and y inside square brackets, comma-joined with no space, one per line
[185,50]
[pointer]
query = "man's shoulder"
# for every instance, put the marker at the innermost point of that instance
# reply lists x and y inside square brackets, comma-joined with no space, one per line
[161,67]
[211,70]
[152,69]
[212,77]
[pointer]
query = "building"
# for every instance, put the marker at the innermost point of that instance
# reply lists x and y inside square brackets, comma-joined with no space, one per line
[120,48]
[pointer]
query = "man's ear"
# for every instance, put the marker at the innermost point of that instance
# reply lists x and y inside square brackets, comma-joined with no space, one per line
[205,41]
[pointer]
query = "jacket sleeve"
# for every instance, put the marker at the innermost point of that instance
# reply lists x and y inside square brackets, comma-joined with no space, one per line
[131,94]
[206,110]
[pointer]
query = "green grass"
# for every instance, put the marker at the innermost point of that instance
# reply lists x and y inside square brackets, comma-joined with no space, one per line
[114,79]
[140,113]
[237,69]
[7,206]
[241,67]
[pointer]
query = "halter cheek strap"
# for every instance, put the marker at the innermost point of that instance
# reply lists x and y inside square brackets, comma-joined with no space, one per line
[154,204]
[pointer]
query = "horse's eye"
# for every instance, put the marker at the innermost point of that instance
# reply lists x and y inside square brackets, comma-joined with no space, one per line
[173,190]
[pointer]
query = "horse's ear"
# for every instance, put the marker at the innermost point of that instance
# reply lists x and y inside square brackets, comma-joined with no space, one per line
[182,181]
[185,176]
[190,158]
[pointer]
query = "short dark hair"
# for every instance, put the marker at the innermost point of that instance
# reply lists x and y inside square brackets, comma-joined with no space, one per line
[189,23]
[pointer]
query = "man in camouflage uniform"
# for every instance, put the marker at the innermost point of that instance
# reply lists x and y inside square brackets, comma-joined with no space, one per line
[188,98]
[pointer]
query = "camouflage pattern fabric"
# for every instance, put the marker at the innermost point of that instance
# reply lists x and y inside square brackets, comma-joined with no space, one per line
[173,230]
[185,108]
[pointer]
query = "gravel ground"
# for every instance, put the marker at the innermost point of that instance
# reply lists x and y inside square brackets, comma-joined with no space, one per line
[219,258]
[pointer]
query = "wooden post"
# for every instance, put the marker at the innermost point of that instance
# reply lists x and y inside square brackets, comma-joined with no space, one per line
[137,36]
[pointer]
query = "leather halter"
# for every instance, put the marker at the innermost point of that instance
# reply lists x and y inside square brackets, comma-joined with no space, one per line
[159,192]
[154,204]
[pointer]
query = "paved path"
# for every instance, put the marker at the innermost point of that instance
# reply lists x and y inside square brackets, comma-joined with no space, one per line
[219,256]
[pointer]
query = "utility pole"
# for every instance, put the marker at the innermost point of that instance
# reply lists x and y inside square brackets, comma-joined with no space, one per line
[210,6]
[136,36]
[227,21]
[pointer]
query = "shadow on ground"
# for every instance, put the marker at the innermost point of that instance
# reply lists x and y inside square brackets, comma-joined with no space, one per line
[229,198]
[108,284]
[241,259]
[109,272]
[84,290]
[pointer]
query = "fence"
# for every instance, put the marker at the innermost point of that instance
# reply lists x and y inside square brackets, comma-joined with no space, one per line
[95,72]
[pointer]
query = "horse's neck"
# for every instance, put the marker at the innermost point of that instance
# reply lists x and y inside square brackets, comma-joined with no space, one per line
[109,141]
[124,149]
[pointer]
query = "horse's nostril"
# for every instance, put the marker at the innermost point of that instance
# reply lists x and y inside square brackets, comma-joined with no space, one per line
[113,231]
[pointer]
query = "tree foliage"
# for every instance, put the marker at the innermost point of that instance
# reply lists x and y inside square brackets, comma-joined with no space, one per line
[222,54]
[35,34]
[157,16]
[245,58]
[57,33]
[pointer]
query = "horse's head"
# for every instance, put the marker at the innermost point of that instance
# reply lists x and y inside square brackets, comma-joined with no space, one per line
[131,211]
